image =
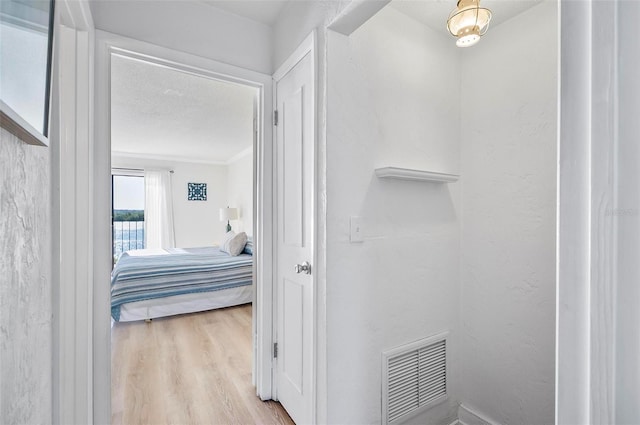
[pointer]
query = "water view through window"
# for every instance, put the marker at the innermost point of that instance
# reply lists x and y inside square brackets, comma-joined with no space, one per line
[128,214]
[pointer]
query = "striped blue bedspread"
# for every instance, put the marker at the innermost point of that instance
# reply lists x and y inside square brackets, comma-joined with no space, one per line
[147,274]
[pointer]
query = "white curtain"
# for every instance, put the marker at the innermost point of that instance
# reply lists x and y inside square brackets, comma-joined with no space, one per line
[158,210]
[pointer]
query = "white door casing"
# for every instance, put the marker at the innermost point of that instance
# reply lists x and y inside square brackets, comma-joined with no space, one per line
[295,289]
[72,227]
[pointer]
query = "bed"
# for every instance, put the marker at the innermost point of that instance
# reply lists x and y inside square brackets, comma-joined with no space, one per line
[151,283]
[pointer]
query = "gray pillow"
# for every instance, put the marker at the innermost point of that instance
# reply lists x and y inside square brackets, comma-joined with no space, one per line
[233,243]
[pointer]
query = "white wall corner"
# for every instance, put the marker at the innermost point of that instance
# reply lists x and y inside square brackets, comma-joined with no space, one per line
[242,154]
[467,416]
[355,15]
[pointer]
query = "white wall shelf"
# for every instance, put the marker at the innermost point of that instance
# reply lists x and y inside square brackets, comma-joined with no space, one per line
[418,175]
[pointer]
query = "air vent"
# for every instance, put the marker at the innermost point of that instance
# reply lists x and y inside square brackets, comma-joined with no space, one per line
[414,377]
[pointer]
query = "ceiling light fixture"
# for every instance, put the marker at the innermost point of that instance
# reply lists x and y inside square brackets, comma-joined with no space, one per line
[468,22]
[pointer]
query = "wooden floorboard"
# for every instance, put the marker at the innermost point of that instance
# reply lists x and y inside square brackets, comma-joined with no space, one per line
[188,369]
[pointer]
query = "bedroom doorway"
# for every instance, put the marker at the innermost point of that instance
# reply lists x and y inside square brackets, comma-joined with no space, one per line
[203,131]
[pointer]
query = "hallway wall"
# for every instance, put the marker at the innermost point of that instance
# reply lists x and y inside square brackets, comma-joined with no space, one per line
[509,143]
[25,282]
[393,100]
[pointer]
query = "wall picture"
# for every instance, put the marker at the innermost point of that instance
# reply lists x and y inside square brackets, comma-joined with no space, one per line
[197,191]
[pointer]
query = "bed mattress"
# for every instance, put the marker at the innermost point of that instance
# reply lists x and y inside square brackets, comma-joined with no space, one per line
[152,275]
[186,303]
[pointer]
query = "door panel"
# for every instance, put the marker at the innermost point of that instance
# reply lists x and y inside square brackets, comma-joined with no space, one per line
[293,178]
[292,337]
[294,233]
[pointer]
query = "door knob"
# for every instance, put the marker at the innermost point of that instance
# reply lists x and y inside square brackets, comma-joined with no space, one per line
[304,267]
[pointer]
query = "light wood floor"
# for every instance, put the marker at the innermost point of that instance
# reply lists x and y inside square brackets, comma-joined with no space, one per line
[189,369]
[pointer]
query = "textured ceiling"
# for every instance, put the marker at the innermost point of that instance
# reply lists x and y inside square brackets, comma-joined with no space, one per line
[265,11]
[163,112]
[434,13]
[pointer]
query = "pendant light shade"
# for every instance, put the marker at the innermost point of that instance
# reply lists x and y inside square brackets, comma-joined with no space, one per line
[468,22]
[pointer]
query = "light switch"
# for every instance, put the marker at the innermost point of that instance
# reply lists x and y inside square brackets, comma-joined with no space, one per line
[357,230]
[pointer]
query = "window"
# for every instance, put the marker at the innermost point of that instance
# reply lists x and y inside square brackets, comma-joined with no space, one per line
[127,213]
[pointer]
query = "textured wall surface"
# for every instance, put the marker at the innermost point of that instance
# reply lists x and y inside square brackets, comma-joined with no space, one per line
[509,98]
[25,282]
[393,100]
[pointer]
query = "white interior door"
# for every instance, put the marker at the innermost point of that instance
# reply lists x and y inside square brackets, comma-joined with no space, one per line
[294,281]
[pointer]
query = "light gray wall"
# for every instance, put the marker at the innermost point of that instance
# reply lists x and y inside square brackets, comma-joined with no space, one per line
[25,282]
[509,142]
[393,100]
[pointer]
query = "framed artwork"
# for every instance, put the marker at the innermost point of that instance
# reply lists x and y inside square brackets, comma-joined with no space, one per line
[26,43]
[197,191]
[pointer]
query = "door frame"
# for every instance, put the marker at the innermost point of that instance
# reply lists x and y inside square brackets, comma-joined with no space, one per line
[308,46]
[107,44]
[71,144]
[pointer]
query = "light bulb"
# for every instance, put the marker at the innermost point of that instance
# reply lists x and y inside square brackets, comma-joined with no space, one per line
[468,22]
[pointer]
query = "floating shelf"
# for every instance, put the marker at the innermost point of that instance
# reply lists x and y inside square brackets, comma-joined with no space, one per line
[419,175]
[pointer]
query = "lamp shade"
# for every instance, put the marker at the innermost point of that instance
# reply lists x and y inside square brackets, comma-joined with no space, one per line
[468,22]
[228,214]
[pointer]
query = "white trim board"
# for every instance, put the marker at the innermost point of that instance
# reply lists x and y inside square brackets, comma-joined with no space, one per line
[171,158]
[71,135]
[168,158]
[307,45]
[467,416]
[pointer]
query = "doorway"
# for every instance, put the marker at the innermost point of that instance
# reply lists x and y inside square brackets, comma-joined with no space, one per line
[181,154]
[259,213]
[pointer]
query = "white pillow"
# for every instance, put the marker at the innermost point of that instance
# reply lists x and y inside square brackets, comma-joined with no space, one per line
[227,237]
[233,243]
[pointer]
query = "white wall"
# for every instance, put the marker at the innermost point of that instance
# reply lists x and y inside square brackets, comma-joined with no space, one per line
[192,27]
[197,223]
[296,20]
[508,119]
[393,100]
[25,282]
[240,192]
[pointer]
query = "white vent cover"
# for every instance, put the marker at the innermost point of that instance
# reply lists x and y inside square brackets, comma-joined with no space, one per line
[414,376]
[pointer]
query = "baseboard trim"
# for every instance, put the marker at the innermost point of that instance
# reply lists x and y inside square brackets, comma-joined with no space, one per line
[467,416]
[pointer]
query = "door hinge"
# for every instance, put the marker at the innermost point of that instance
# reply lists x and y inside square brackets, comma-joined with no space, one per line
[275,350]
[275,117]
